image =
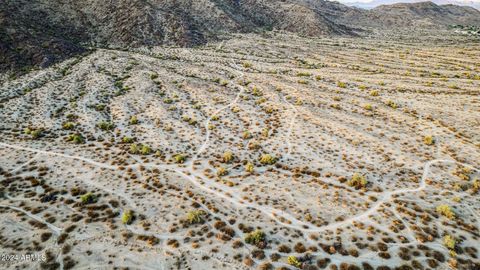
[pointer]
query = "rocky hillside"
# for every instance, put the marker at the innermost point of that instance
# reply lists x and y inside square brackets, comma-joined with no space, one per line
[40,32]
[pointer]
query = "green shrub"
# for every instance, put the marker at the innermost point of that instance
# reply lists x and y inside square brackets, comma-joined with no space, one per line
[246,135]
[76,138]
[249,167]
[100,107]
[303,74]
[368,107]
[34,133]
[267,159]
[221,171]
[445,211]
[293,261]
[449,242]
[429,140]
[106,125]
[145,150]
[247,64]
[255,237]
[133,120]
[68,125]
[37,133]
[88,198]
[127,217]
[391,104]
[179,158]
[195,216]
[127,139]
[228,157]
[341,84]
[358,181]
[140,149]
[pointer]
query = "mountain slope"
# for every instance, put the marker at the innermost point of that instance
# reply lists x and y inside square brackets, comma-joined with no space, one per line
[40,32]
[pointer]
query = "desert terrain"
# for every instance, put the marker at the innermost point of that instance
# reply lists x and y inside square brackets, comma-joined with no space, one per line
[263,151]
